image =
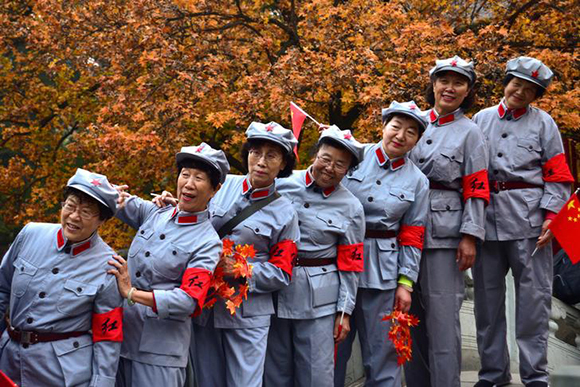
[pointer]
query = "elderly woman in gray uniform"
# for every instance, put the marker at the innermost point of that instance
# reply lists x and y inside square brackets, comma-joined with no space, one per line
[530,182]
[170,263]
[325,276]
[231,349]
[54,279]
[393,192]
[452,153]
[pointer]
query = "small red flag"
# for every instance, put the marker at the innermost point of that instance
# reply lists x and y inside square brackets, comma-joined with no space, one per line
[566,227]
[298,116]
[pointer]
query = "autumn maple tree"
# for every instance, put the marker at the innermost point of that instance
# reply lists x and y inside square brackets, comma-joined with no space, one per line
[119,86]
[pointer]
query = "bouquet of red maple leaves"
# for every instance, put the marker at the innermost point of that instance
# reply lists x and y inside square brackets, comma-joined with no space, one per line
[221,288]
[400,333]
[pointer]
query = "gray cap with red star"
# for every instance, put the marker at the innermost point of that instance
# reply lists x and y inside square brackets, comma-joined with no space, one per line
[345,139]
[274,132]
[455,64]
[409,109]
[215,158]
[530,69]
[96,186]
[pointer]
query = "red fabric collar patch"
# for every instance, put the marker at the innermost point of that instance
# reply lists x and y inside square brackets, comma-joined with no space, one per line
[75,249]
[308,179]
[440,120]
[502,111]
[186,219]
[59,239]
[380,156]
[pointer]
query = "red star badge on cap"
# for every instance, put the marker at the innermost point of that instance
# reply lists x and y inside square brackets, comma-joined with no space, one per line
[199,149]
[535,73]
[96,182]
[347,136]
[412,107]
[453,63]
[269,128]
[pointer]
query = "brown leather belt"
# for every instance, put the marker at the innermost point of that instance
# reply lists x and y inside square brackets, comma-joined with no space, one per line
[380,234]
[31,337]
[311,262]
[437,185]
[496,186]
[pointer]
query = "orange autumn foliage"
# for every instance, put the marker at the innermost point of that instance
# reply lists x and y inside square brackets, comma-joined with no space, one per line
[119,86]
[400,334]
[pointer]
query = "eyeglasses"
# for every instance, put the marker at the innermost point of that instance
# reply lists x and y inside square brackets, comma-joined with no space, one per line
[270,157]
[339,166]
[84,213]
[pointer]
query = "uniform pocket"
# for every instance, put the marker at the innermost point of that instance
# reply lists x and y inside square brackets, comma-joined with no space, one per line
[388,254]
[139,241]
[23,273]
[398,202]
[535,213]
[447,165]
[446,214]
[76,298]
[75,357]
[164,336]
[170,262]
[527,153]
[259,229]
[324,283]
[328,224]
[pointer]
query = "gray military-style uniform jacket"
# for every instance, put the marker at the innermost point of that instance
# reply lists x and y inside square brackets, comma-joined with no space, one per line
[173,254]
[394,197]
[53,287]
[331,226]
[453,153]
[524,146]
[273,231]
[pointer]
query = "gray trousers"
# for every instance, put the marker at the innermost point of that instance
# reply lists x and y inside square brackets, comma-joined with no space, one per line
[533,289]
[229,357]
[135,374]
[437,301]
[300,353]
[378,354]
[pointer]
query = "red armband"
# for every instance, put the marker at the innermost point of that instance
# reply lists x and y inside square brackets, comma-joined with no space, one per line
[556,170]
[108,326]
[195,282]
[282,255]
[476,185]
[350,257]
[549,215]
[411,236]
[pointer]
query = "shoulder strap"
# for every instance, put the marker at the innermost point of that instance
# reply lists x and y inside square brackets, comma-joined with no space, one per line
[245,214]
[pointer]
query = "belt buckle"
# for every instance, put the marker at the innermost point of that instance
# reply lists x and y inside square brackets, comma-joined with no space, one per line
[28,337]
[501,185]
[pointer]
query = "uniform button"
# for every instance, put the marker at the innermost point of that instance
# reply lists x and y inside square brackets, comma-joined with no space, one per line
[174,252]
[25,345]
[530,147]
[504,135]
[370,199]
[429,142]
[55,270]
[495,171]
[300,223]
[378,182]
[21,268]
[79,289]
[147,253]
[452,157]
[499,154]
[421,160]
[306,205]
[329,221]
[447,207]
[29,320]
[349,173]
[142,231]
[42,294]
[138,274]
[257,229]
[324,269]
[162,236]
[402,196]
[392,245]
[76,344]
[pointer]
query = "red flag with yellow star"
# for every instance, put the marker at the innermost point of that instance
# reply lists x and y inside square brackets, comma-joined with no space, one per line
[566,227]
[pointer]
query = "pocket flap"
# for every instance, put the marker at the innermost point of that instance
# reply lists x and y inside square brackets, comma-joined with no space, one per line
[389,244]
[62,347]
[80,288]
[218,211]
[452,154]
[355,174]
[329,220]
[529,144]
[314,271]
[402,194]
[145,233]
[259,228]
[446,203]
[24,267]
